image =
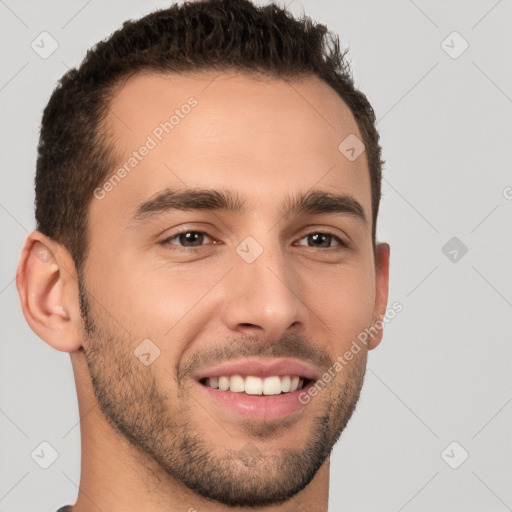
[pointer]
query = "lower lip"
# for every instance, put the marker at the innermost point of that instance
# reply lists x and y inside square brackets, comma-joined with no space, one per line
[258,407]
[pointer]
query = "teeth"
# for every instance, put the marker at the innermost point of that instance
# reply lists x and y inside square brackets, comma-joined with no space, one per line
[272,386]
[252,385]
[236,384]
[223,383]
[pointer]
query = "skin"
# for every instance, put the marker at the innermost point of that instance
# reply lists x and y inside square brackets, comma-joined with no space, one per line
[264,140]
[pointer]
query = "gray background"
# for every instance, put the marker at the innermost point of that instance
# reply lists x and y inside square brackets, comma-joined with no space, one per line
[442,373]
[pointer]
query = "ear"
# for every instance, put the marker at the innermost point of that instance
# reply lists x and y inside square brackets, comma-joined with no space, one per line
[47,285]
[381,292]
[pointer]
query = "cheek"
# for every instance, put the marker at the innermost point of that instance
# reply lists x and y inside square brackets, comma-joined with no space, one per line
[345,302]
[157,300]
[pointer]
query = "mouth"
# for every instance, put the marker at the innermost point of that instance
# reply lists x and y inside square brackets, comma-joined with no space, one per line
[258,389]
[257,386]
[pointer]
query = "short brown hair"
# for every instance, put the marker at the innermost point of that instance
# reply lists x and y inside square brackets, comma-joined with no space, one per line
[220,35]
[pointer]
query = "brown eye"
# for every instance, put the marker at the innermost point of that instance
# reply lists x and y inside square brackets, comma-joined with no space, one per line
[187,239]
[322,240]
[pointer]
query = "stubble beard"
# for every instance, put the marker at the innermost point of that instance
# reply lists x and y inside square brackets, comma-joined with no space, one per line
[137,407]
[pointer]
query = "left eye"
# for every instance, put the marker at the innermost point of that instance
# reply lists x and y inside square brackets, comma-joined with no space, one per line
[322,240]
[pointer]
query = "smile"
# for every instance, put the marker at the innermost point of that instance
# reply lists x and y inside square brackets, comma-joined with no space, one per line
[253,385]
[262,389]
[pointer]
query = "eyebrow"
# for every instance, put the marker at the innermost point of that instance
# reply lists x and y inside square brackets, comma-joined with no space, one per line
[312,202]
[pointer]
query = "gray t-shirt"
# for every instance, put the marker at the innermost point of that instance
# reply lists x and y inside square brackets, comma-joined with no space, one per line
[65,508]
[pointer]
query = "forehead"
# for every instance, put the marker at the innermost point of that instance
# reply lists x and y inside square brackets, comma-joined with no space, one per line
[256,135]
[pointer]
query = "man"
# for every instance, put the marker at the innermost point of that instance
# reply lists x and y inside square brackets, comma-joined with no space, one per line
[207,191]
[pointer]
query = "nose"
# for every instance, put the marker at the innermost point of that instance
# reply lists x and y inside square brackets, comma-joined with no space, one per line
[263,298]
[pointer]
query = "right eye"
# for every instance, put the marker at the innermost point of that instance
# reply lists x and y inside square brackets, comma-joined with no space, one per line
[187,239]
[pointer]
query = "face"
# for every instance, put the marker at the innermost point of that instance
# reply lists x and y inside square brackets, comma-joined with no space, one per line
[229,267]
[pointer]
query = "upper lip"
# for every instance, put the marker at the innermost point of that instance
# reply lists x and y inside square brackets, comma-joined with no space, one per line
[260,367]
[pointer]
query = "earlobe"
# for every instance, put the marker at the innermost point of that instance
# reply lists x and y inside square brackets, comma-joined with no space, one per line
[381,293]
[48,292]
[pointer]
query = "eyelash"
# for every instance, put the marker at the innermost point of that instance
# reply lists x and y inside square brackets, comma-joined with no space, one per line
[166,241]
